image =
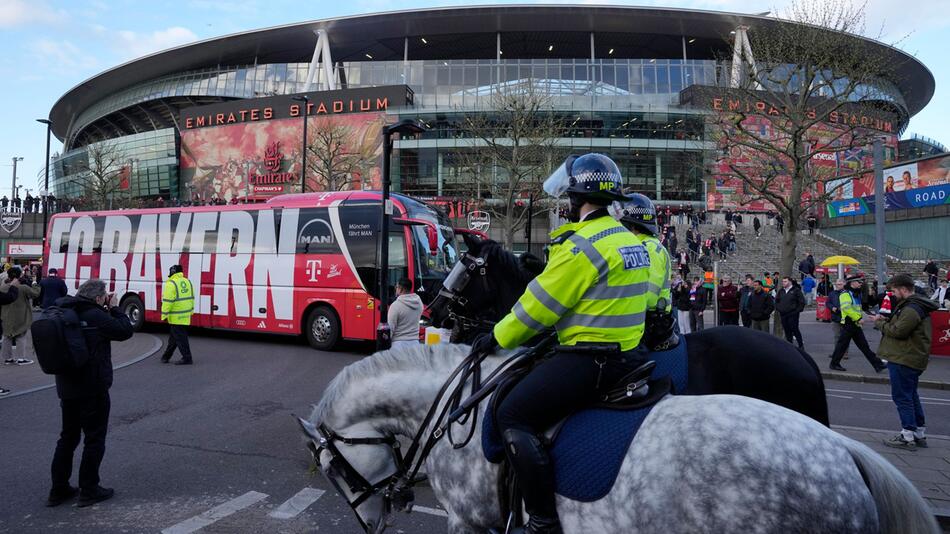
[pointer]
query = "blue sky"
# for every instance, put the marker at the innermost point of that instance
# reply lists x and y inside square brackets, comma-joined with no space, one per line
[52,45]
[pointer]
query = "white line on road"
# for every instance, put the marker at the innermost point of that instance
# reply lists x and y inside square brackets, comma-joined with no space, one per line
[296,504]
[430,511]
[840,396]
[218,512]
[888,395]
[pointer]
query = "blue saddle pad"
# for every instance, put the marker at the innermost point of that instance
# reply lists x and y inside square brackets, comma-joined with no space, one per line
[592,443]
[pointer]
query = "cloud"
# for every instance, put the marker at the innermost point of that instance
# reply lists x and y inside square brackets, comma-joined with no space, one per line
[15,13]
[132,44]
[61,55]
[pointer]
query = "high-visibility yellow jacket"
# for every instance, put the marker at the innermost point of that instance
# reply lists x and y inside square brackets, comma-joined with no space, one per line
[850,309]
[660,268]
[178,300]
[594,288]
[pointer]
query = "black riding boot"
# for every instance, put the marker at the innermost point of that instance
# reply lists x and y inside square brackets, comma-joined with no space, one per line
[535,473]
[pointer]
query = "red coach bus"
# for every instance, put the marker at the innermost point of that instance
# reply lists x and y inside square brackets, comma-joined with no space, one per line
[299,264]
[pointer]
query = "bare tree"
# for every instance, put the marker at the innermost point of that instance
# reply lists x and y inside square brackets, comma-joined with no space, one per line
[813,96]
[335,158]
[514,150]
[100,181]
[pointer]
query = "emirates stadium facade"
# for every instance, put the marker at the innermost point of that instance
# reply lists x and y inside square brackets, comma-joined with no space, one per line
[614,74]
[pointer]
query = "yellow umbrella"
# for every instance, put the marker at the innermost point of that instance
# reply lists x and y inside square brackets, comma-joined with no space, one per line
[832,261]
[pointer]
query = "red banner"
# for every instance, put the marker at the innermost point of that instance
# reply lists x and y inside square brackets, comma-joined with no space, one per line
[940,342]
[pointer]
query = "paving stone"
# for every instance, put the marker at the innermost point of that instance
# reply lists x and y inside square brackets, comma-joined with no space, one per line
[918,475]
[915,459]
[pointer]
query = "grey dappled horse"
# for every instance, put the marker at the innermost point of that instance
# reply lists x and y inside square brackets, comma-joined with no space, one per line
[717,463]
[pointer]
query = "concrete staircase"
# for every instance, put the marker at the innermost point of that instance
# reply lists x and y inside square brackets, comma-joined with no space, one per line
[756,255]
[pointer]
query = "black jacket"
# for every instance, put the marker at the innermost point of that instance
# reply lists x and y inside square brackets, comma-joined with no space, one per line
[789,301]
[101,329]
[53,287]
[681,297]
[760,305]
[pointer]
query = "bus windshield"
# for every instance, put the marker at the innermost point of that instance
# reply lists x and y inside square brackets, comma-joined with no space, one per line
[432,268]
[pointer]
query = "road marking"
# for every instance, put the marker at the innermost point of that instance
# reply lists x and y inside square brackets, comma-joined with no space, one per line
[296,504]
[888,395]
[218,512]
[840,396]
[865,429]
[430,511]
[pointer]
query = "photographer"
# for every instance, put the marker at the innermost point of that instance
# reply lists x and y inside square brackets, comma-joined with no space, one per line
[84,395]
[17,316]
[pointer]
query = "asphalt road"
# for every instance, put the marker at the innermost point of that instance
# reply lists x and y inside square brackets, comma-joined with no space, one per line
[213,438]
[214,444]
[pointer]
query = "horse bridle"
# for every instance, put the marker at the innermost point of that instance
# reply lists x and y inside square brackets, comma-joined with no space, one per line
[458,279]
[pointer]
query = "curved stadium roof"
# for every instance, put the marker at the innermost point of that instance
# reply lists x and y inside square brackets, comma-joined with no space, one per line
[465,33]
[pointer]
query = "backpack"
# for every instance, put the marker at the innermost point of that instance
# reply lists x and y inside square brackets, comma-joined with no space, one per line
[59,341]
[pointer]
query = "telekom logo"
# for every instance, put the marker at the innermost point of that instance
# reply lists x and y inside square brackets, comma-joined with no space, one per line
[272,157]
[313,269]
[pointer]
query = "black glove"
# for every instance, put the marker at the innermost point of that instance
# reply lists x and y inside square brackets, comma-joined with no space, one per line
[485,344]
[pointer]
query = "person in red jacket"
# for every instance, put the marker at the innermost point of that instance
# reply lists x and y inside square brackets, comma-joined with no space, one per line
[728,296]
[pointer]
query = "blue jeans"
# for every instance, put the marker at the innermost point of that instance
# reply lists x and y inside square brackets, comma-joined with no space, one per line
[904,392]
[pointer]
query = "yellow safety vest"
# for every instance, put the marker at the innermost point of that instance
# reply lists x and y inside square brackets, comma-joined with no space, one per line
[849,308]
[660,268]
[593,289]
[178,300]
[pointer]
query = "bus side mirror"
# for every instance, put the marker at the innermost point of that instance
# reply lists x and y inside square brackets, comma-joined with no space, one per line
[433,240]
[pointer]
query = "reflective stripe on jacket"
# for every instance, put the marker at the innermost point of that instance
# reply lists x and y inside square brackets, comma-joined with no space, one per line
[660,268]
[850,307]
[592,290]
[178,300]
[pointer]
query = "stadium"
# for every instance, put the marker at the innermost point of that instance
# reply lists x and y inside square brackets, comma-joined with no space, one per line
[615,76]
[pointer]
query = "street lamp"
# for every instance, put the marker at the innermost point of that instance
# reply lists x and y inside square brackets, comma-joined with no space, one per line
[13,187]
[49,128]
[303,166]
[403,127]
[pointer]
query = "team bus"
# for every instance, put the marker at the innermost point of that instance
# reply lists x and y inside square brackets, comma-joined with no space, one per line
[297,264]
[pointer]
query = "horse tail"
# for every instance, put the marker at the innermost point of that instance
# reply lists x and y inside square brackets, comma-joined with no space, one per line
[822,400]
[900,508]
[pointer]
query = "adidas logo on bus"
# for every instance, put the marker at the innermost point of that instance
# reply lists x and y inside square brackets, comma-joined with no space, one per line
[262,324]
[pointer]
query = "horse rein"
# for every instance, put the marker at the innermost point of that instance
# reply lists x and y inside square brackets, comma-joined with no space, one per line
[456,282]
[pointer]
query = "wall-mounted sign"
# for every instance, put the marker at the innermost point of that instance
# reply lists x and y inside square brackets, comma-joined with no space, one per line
[10,221]
[24,249]
[360,100]
[479,220]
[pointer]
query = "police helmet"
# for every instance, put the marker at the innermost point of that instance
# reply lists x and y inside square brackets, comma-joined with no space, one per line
[638,211]
[594,177]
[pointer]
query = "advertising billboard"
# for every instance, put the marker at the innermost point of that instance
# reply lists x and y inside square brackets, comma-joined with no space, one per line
[253,149]
[906,186]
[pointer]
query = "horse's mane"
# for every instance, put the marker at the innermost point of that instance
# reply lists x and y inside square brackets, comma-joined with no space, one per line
[495,252]
[438,358]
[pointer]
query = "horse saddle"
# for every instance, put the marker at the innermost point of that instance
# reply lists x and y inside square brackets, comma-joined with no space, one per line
[588,446]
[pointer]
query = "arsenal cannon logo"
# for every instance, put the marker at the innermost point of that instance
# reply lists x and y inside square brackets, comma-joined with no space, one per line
[10,221]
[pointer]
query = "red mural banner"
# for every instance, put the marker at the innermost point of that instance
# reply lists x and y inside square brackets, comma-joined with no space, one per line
[256,160]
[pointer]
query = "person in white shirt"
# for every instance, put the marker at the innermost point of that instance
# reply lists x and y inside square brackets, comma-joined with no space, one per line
[942,295]
[404,315]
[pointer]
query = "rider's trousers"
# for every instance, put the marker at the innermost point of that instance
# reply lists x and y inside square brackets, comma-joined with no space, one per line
[551,391]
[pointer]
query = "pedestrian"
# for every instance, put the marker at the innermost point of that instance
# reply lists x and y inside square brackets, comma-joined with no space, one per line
[51,288]
[8,297]
[851,318]
[744,301]
[789,303]
[705,262]
[780,223]
[404,315]
[905,343]
[931,271]
[808,288]
[683,260]
[728,300]
[84,395]
[941,295]
[723,245]
[697,301]
[834,306]
[806,267]
[17,317]
[681,293]
[776,281]
[760,307]
[812,224]
[825,287]
[178,303]
[757,226]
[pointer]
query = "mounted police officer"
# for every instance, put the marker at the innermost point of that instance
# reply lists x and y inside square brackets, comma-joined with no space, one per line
[593,291]
[639,216]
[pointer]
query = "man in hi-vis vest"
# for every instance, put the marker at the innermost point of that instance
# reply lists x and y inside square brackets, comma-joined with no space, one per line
[178,303]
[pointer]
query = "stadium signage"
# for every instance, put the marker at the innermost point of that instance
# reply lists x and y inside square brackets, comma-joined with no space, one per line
[363,100]
[273,158]
[841,117]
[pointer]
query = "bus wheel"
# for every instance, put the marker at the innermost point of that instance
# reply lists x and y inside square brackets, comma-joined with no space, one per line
[133,308]
[323,328]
